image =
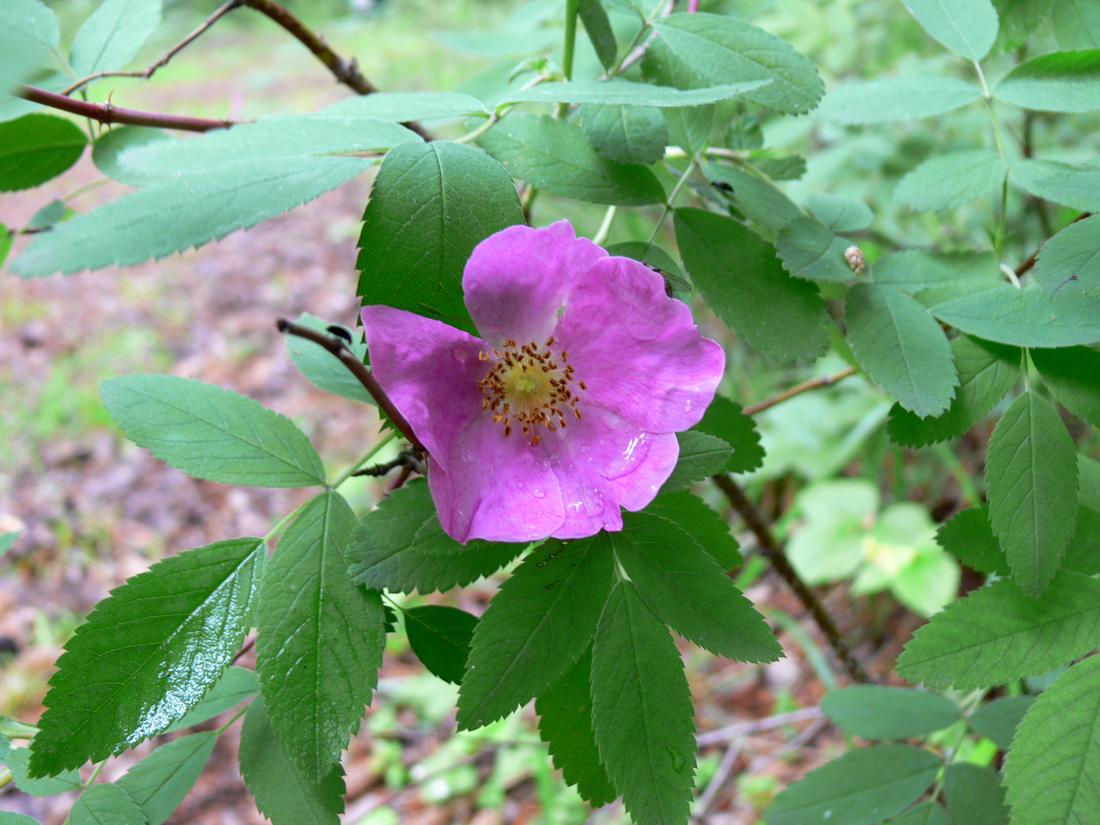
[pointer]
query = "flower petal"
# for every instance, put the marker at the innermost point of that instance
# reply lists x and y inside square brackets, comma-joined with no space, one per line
[637,350]
[429,370]
[495,487]
[603,462]
[516,280]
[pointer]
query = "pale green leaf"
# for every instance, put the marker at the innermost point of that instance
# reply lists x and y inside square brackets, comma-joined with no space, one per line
[631,93]
[839,212]
[1055,82]
[111,36]
[880,712]
[890,99]
[159,782]
[998,720]
[321,367]
[701,456]
[401,107]
[974,795]
[37,147]
[1069,263]
[950,180]
[105,804]
[626,134]
[809,250]
[1024,317]
[17,762]
[1073,375]
[598,28]
[440,637]
[966,27]
[926,813]
[232,688]
[1020,19]
[932,277]
[1076,23]
[109,147]
[1074,186]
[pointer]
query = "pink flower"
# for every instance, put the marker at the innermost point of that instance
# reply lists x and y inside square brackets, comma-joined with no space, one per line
[565,410]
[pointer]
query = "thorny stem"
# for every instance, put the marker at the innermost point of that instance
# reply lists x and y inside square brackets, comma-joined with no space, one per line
[798,389]
[350,360]
[106,113]
[772,549]
[405,458]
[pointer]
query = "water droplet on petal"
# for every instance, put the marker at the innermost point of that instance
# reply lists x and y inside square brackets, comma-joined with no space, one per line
[460,354]
[538,492]
[688,405]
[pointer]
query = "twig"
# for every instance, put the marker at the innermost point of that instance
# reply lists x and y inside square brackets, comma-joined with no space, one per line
[350,360]
[716,781]
[247,647]
[797,389]
[404,459]
[148,72]
[713,737]
[1030,262]
[771,548]
[106,113]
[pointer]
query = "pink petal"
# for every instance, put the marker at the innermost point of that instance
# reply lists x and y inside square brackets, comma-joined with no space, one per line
[495,487]
[516,280]
[429,370]
[637,350]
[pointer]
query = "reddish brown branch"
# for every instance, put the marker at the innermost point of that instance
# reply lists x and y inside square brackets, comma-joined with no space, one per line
[106,113]
[1030,262]
[798,389]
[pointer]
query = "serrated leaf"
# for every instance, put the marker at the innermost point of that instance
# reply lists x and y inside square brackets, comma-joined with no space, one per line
[780,167]
[700,49]
[1069,263]
[950,180]
[689,591]
[1083,553]
[112,35]
[701,456]
[987,372]
[430,205]
[933,277]
[105,804]
[565,725]
[758,199]
[16,760]
[440,637]
[109,148]
[1019,20]
[626,134]
[147,653]
[641,711]
[966,27]
[210,432]
[321,367]
[811,251]
[556,156]
[159,782]
[880,712]
[1055,82]
[743,281]
[630,93]
[37,147]
[1059,182]
[926,813]
[1051,771]
[902,347]
[690,128]
[401,107]
[998,720]
[537,625]
[282,792]
[998,634]
[974,795]
[319,637]
[1073,376]
[859,788]
[232,688]
[1024,317]
[1031,471]
[725,419]
[403,548]
[707,527]
[599,31]
[890,99]
[968,536]
[1076,24]
[839,212]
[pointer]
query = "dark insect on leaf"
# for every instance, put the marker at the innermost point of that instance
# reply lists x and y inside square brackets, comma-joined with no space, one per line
[339,332]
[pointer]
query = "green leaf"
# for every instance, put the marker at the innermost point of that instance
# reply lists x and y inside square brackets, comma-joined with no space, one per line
[811,251]
[974,795]
[108,149]
[859,788]
[401,107]
[50,215]
[1083,553]
[890,99]
[779,167]
[1059,182]
[701,456]
[755,197]
[839,212]
[1088,474]
[537,625]
[691,128]
[556,156]
[17,759]
[966,27]
[37,147]
[880,712]
[626,134]
[998,634]
[282,792]
[599,31]
[320,637]
[932,277]
[7,540]
[1069,263]
[431,204]
[1076,23]
[998,720]
[902,347]
[6,237]
[1073,376]
[641,711]
[699,50]
[1031,470]
[1054,82]
[1019,20]
[440,638]
[160,781]
[565,725]
[147,653]
[689,591]
[656,258]
[968,536]
[232,688]
[630,93]
[28,43]
[926,813]
[404,548]
[950,180]
[10,818]
[725,419]
[112,35]
[706,527]
[210,432]
[987,372]
[743,281]
[105,804]
[321,367]
[1024,317]
[1051,771]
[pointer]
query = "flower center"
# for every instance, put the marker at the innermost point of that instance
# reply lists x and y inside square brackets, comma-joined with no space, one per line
[530,388]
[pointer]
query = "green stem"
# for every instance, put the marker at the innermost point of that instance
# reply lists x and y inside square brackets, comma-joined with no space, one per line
[999,238]
[966,483]
[605,227]
[236,716]
[571,9]
[95,773]
[367,456]
[668,204]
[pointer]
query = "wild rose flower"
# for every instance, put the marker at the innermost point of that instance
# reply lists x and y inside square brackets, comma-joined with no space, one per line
[565,409]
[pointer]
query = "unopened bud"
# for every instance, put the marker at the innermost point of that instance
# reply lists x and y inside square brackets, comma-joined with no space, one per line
[854,256]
